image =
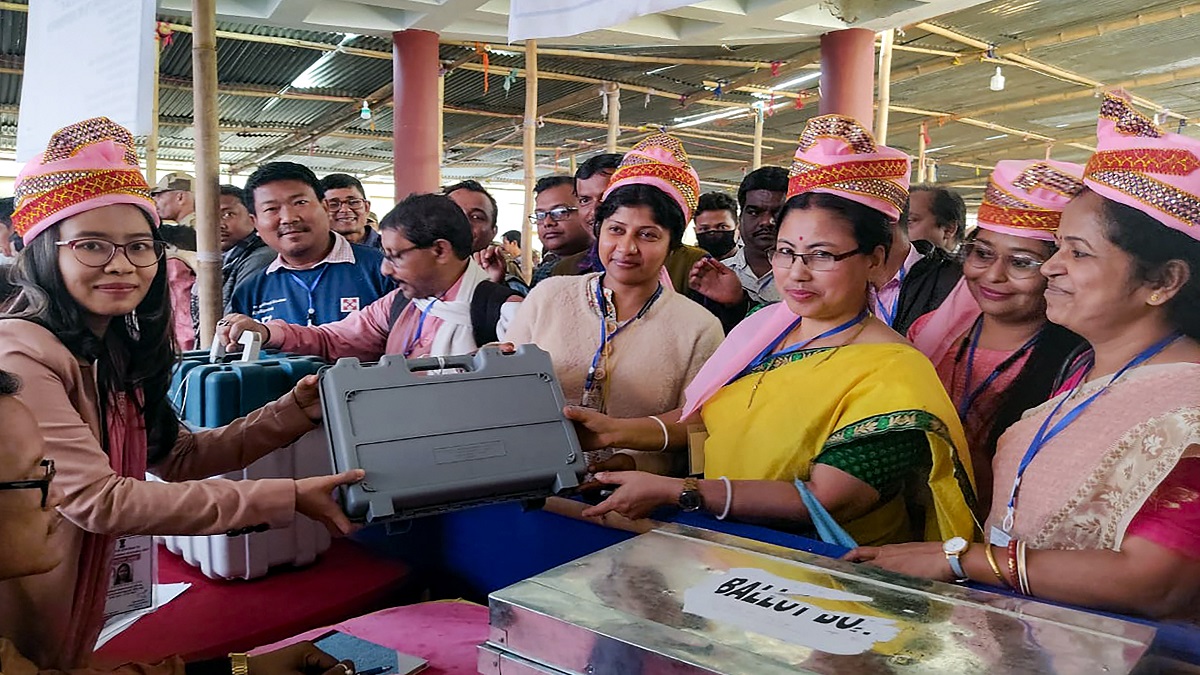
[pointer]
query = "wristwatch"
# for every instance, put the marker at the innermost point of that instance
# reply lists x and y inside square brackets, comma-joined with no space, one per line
[690,499]
[954,548]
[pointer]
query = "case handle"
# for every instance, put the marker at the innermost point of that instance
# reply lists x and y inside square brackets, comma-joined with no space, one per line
[251,346]
[462,361]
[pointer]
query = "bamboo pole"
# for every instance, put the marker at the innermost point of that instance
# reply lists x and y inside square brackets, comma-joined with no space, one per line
[921,155]
[887,40]
[530,147]
[152,139]
[627,58]
[441,129]
[573,165]
[204,102]
[613,91]
[756,156]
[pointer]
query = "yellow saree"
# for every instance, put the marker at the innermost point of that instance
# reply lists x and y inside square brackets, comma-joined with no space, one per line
[774,422]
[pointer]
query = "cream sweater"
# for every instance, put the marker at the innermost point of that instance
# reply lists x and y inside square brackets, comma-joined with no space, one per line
[652,360]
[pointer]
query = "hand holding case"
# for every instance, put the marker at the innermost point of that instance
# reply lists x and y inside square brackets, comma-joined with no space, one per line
[432,440]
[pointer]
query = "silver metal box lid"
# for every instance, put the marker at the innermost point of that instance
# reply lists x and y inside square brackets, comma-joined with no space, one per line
[684,600]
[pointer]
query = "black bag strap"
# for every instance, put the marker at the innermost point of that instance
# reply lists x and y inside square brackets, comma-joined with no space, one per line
[398,306]
[485,310]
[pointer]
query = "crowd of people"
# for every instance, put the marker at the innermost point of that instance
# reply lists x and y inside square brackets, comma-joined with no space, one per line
[1018,405]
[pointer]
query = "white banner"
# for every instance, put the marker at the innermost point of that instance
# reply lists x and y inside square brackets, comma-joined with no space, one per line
[538,19]
[83,59]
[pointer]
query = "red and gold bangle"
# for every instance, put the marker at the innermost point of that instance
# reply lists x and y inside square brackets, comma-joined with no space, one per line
[1012,566]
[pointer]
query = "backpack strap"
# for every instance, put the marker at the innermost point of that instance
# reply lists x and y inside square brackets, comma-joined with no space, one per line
[398,306]
[485,310]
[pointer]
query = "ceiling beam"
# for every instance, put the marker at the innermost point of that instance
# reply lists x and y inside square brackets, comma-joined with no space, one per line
[759,77]
[1080,31]
[548,108]
[624,58]
[1073,95]
[1032,64]
[313,132]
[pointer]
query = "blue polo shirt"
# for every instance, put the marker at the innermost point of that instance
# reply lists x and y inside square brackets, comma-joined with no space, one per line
[348,279]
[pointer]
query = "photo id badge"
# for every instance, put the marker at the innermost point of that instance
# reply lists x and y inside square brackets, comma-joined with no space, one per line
[131,576]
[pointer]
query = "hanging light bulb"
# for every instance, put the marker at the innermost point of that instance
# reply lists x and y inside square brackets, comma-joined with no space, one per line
[997,83]
[365,111]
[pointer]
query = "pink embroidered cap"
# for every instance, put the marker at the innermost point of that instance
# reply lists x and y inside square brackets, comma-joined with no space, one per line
[1140,165]
[839,156]
[661,161]
[1025,198]
[86,165]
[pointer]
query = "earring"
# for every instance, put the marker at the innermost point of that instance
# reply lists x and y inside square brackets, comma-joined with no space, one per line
[1154,298]
[131,323]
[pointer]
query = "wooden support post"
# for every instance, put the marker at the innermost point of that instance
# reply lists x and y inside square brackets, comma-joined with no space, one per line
[613,91]
[756,160]
[204,102]
[152,139]
[887,38]
[441,131]
[530,148]
[573,166]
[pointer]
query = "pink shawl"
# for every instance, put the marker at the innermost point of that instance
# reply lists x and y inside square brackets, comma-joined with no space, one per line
[127,450]
[935,333]
[740,347]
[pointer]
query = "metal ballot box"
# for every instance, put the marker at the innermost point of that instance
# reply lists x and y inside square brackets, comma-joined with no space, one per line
[681,600]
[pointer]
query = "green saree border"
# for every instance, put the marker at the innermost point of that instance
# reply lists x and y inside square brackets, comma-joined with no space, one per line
[906,420]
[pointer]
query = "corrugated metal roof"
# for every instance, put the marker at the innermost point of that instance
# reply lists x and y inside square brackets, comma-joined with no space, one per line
[1143,51]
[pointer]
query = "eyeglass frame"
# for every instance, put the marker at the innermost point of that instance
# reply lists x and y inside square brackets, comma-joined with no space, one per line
[159,246]
[42,483]
[393,259]
[806,257]
[330,204]
[1023,273]
[567,211]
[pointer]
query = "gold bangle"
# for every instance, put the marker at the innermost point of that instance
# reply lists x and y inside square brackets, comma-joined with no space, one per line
[991,558]
[239,664]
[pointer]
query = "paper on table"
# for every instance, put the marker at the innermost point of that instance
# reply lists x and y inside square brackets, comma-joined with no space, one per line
[163,593]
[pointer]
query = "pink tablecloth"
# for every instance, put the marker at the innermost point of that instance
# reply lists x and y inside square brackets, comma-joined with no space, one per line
[444,633]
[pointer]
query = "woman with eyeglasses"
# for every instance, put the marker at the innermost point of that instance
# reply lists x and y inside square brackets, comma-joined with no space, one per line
[818,415]
[1097,491]
[993,348]
[89,335]
[624,342]
[29,521]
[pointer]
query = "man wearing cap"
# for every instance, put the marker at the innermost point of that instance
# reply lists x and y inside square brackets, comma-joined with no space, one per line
[317,277]
[174,199]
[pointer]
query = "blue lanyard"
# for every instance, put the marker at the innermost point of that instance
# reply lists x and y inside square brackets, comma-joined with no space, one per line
[767,352]
[310,289]
[969,395]
[1047,432]
[890,317]
[605,338]
[416,337]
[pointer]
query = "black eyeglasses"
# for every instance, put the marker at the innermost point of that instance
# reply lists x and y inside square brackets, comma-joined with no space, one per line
[42,483]
[336,205]
[556,214]
[817,261]
[100,252]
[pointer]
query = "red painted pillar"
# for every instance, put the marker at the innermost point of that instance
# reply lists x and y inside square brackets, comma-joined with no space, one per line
[848,74]
[416,111]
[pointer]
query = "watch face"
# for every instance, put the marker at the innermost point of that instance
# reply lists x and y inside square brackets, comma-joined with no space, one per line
[954,546]
[690,500]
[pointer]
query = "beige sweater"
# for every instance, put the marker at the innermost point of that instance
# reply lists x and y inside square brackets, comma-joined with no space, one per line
[652,360]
